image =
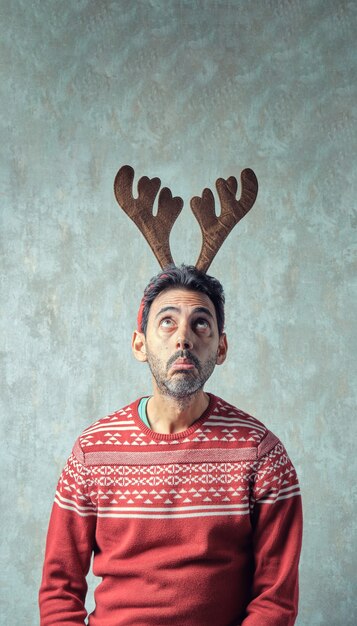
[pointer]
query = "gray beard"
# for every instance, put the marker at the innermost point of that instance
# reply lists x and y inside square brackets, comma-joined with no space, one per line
[182,384]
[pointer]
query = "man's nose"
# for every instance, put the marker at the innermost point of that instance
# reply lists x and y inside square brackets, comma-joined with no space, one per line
[183,341]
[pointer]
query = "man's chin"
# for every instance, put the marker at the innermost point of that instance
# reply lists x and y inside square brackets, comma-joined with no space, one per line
[181,388]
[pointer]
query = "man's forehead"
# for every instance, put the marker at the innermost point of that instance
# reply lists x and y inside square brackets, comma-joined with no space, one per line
[182,298]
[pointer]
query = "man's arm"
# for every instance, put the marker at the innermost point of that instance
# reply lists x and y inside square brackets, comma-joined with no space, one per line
[69,546]
[277,524]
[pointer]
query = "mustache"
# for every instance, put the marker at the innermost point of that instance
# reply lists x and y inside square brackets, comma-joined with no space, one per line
[183,354]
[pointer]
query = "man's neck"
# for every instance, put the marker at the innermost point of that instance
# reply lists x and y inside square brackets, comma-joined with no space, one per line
[168,415]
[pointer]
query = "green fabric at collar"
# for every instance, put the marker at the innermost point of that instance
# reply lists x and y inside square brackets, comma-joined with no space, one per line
[142,411]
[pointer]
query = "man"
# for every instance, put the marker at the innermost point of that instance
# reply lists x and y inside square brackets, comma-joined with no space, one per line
[190,506]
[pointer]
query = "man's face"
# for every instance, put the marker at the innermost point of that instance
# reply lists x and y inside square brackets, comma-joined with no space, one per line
[182,343]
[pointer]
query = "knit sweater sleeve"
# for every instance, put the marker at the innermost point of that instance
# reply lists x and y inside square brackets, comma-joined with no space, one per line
[70,542]
[277,535]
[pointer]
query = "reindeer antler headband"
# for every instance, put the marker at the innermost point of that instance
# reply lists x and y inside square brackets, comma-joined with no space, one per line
[156,228]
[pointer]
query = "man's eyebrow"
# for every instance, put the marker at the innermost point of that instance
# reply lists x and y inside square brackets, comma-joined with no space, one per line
[167,308]
[203,309]
[170,307]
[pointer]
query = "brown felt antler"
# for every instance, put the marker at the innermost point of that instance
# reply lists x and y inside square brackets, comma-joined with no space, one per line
[155,228]
[215,229]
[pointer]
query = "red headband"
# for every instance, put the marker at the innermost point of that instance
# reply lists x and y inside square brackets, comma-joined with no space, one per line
[139,319]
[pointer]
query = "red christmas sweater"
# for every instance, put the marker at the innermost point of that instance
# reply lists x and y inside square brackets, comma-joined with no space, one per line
[197,528]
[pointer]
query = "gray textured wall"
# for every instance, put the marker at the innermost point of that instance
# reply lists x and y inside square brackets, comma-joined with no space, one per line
[189,91]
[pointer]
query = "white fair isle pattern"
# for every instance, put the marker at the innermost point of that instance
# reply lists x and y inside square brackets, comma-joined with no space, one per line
[224,465]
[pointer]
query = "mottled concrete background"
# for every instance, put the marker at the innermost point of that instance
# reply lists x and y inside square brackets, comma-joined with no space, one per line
[189,91]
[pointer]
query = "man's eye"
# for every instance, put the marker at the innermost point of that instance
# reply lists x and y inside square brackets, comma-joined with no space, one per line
[202,324]
[166,322]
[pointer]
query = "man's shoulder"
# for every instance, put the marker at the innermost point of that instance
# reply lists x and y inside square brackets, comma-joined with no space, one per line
[227,409]
[238,424]
[232,427]
[105,430]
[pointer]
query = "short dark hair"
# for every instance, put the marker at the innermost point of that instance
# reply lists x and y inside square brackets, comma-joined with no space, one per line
[185,277]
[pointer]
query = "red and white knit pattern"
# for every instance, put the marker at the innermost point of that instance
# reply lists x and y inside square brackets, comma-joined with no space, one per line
[221,466]
[200,527]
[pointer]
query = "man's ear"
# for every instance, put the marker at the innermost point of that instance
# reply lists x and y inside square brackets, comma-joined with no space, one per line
[222,349]
[138,346]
